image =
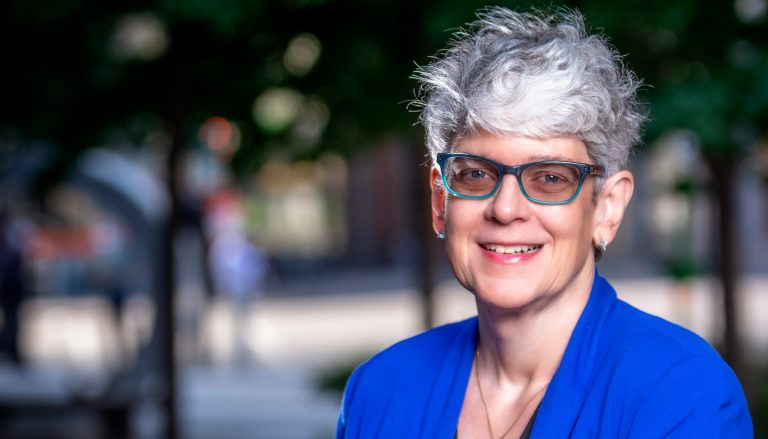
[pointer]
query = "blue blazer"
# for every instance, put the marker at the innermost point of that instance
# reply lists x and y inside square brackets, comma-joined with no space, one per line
[624,373]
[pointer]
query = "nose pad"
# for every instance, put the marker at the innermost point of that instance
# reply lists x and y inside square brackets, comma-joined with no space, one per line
[508,203]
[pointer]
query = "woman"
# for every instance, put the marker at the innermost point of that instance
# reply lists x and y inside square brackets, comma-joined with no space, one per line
[529,123]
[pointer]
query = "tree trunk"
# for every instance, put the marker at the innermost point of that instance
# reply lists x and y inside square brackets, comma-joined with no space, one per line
[166,321]
[427,283]
[723,170]
[423,228]
[166,312]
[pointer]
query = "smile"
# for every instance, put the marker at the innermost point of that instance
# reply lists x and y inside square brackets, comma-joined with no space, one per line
[511,249]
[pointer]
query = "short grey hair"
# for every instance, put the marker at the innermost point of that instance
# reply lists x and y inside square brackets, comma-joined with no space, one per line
[531,74]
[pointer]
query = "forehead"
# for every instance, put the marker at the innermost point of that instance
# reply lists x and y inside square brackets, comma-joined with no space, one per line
[516,150]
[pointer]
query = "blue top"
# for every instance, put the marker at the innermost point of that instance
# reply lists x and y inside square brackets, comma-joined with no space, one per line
[624,373]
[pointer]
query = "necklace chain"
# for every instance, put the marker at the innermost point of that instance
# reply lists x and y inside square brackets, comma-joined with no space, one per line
[485,406]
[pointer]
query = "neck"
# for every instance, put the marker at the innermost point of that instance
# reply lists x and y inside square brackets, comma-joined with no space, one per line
[524,347]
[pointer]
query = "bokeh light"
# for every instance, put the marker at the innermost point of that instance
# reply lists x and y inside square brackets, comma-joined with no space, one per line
[276,109]
[141,37]
[302,54]
[221,136]
[750,11]
[311,122]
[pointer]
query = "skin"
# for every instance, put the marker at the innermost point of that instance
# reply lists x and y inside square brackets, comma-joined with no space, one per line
[527,304]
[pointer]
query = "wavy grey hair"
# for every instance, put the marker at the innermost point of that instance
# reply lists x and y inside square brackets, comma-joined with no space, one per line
[534,75]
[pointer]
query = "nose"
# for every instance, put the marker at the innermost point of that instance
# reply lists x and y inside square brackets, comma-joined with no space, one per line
[508,203]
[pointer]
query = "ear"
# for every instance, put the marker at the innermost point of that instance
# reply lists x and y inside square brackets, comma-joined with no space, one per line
[438,201]
[612,202]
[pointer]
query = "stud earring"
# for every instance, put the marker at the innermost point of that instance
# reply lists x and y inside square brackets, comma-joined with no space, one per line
[603,246]
[441,234]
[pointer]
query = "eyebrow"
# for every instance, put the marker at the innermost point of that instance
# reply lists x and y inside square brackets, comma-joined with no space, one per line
[541,157]
[533,158]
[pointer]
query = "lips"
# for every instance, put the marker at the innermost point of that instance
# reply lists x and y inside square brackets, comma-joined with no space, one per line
[511,249]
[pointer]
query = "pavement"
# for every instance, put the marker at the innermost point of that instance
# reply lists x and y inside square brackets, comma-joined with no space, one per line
[252,370]
[256,404]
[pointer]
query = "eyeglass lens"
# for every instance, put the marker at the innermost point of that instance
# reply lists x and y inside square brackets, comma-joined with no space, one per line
[547,182]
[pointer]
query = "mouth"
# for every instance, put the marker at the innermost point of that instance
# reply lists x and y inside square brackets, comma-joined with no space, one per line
[511,249]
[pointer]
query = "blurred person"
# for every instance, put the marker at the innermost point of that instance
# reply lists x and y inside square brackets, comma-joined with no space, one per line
[238,270]
[529,122]
[239,267]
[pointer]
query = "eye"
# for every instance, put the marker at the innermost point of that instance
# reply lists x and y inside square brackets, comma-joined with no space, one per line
[476,173]
[551,179]
[554,175]
[545,179]
[472,170]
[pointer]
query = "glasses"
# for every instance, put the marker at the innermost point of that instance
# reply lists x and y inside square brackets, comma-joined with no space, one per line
[543,182]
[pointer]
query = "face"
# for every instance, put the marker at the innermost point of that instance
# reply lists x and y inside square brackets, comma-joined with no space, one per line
[509,251]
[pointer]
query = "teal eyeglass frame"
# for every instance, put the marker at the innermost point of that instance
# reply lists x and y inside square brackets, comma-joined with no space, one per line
[584,171]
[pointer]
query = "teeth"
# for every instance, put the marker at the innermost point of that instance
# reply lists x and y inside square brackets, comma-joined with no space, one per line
[511,249]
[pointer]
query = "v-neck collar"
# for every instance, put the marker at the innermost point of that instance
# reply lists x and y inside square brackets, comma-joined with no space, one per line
[567,390]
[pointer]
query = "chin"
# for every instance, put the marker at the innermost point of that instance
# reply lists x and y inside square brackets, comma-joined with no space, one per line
[511,295]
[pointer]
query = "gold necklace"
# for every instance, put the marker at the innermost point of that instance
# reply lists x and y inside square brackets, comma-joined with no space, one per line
[485,406]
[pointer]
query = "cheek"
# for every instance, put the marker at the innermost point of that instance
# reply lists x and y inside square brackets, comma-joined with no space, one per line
[572,227]
[576,233]
[460,215]
[461,219]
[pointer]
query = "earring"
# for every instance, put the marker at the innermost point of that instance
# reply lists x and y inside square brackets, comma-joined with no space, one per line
[603,246]
[441,234]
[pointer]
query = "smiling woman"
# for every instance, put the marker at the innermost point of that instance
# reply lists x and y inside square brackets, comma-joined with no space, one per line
[529,122]
[480,233]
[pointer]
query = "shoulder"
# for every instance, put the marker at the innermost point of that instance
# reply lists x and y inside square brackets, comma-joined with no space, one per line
[649,348]
[640,347]
[658,339]
[676,379]
[421,351]
[407,378]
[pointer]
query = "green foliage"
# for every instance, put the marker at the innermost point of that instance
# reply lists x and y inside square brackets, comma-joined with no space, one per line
[334,379]
[681,267]
[704,66]
[759,402]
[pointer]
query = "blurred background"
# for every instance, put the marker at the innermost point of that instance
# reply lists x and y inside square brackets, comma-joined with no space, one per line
[210,211]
